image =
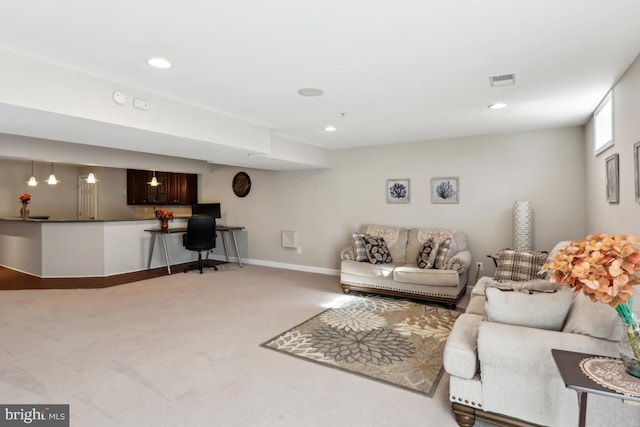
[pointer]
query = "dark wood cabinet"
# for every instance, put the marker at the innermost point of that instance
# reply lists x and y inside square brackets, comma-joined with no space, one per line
[174,188]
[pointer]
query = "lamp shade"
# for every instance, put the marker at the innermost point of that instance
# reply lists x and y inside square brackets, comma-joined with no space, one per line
[523,226]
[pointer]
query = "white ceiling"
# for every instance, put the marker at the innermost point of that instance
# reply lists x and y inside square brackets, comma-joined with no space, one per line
[401,70]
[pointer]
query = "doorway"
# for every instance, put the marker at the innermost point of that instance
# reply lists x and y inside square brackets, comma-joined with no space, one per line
[87,199]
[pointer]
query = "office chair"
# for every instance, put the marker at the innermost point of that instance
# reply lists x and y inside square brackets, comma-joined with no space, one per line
[201,236]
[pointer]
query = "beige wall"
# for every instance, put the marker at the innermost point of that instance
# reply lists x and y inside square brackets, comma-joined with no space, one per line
[61,201]
[624,216]
[58,201]
[325,206]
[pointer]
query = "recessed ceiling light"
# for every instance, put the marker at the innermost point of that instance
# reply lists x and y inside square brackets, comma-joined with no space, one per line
[330,128]
[310,91]
[159,63]
[497,106]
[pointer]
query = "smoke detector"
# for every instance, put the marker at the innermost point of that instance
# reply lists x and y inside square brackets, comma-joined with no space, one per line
[502,80]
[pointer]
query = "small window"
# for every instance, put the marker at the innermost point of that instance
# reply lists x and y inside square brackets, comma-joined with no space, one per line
[603,125]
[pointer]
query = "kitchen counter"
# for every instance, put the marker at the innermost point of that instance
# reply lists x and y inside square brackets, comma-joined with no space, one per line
[86,220]
[84,248]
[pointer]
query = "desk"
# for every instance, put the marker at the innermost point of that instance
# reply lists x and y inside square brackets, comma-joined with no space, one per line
[223,229]
[568,363]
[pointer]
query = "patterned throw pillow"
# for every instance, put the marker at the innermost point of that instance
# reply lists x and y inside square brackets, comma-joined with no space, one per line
[427,256]
[514,264]
[446,250]
[377,251]
[358,244]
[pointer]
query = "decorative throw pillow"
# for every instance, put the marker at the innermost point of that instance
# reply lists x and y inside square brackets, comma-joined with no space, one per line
[541,310]
[514,264]
[594,319]
[358,244]
[377,251]
[427,256]
[446,250]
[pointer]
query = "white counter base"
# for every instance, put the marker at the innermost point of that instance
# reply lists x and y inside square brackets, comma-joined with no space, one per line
[55,249]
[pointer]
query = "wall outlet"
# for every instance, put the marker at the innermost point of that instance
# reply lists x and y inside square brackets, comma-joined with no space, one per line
[140,104]
[479,265]
[299,248]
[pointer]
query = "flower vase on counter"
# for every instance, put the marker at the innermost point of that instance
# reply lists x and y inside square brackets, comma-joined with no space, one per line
[24,210]
[164,226]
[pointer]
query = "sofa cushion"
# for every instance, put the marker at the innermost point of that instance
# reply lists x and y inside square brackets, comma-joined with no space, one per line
[529,286]
[460,357]
[358,244]
[514,264]
[446,250]
[427,257]
[377,250]
[541,310]
[394,237]
[594,319]
[366,269]
[411,273]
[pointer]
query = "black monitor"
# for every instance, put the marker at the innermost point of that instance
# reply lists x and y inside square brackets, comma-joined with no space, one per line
[212,209]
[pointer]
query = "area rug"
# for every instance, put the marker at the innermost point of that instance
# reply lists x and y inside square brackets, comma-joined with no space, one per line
[395,341]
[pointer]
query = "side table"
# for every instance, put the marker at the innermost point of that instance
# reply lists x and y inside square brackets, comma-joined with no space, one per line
[568,363]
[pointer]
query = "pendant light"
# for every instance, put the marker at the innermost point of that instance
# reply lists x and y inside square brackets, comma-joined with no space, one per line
[154,181]
[52,178]
[32,181]
[91,179]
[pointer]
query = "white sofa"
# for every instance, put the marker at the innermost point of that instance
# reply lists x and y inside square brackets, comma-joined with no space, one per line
[403,277]
[502,370]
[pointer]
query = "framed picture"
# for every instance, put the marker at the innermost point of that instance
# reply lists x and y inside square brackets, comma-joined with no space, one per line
[613,185]
[636,162]
[444,190]
[398,191]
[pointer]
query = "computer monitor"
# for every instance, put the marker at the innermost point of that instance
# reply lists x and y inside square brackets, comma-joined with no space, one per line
[212,209]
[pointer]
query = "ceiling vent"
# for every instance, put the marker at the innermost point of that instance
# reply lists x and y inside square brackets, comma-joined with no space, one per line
[502,80]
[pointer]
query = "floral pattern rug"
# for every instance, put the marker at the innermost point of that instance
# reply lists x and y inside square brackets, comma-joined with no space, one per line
[395,341]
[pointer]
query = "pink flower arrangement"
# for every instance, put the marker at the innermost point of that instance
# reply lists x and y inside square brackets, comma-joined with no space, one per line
[164,214]
[601,266]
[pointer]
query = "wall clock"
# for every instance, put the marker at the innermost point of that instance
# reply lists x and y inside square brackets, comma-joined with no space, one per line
[241,184]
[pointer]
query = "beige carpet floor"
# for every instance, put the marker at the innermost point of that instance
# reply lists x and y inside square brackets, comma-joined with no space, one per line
[184,350]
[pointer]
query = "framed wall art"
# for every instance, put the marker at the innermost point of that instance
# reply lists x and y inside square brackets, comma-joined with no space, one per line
[612,174]
[398,191]
[636,168]
[444,190]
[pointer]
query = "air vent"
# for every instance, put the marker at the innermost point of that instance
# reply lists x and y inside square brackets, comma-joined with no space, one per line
[502,80]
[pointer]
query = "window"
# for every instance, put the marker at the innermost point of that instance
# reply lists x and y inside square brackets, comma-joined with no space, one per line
[603,125]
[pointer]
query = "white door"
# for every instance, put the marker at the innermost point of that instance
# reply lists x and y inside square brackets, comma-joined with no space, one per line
[87,199]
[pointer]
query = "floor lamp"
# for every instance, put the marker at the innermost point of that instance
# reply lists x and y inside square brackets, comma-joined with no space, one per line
[523,226]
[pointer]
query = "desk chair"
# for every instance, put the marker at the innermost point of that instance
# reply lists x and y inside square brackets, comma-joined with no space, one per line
[201,236]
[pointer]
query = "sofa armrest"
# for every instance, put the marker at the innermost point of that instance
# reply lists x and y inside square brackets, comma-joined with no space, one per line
[347,254]
[460,262]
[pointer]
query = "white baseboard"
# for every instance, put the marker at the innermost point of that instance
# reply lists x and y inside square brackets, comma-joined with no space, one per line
[283,265]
